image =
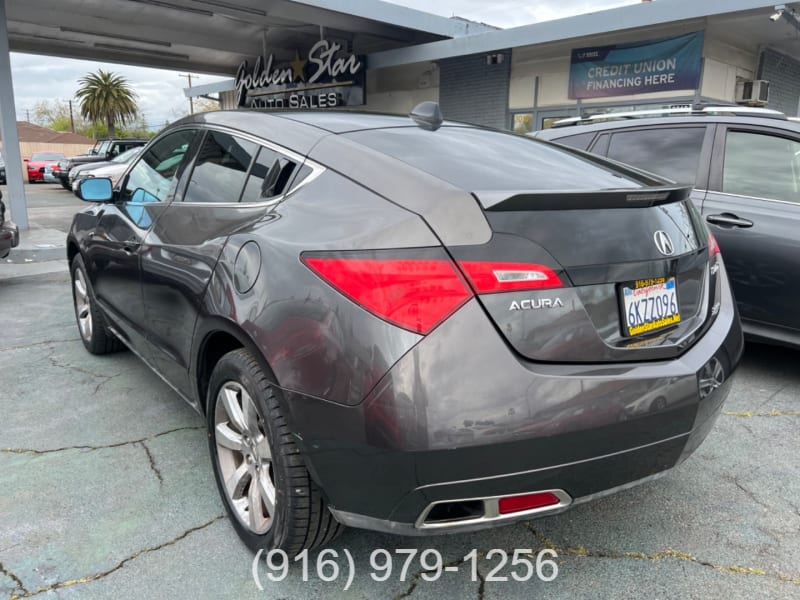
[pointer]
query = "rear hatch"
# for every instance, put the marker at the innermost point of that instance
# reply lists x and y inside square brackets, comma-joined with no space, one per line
[589,260]
[600,276]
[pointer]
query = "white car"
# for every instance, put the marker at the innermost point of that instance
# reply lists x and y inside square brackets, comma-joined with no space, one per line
[113,169]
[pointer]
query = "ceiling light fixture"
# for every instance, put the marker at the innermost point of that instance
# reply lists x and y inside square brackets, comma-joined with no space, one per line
[127,38]
[189,9]
[229,5]
[140,51]
[49,38]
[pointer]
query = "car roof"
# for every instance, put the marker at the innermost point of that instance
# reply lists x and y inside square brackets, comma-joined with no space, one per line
[300,130]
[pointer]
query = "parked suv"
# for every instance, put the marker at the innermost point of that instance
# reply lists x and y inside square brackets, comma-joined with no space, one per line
[745,166]
[411,326]
[102,151]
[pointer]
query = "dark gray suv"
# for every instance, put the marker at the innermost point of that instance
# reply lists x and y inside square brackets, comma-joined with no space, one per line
[745,166]
[413,327]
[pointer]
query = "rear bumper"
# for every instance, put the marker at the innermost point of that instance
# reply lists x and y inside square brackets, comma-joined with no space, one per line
[461,416]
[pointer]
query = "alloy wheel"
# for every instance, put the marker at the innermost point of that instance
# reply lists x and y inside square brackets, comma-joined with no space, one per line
[83,305]
[244,458]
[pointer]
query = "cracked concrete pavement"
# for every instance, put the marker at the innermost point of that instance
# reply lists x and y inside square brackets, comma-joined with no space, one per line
[107,492]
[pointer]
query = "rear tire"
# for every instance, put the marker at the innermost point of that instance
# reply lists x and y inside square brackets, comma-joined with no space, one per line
[267,490]
[97,338]
[65,184]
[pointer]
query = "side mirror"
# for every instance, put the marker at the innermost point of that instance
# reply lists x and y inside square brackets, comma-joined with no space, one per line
[141,196]
[96,189]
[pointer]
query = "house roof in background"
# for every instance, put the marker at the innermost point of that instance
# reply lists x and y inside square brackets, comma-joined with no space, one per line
[29,132]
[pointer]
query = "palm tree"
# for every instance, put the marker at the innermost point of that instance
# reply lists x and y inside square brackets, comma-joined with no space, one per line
[107,97]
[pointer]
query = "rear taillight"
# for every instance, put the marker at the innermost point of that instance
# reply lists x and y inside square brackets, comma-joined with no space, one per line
[413,293]
[488,277]
[713,246]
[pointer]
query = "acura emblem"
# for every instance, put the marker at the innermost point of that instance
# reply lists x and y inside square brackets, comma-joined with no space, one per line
[663,243]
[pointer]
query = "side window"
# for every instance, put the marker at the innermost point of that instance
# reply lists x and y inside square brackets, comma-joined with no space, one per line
[670,152]
[761,165]
[153,177]
[220,168]
[580,141]
[269,176]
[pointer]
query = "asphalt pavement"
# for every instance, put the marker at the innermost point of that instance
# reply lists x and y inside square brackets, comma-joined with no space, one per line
[106,489]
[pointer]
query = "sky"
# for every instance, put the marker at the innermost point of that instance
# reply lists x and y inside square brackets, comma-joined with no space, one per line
[160,92]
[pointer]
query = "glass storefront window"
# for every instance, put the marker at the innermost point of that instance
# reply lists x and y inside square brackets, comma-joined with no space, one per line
[523,123]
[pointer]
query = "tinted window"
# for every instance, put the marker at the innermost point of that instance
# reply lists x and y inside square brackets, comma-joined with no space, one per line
[478,159]
[127,156]
[47,156]
[581,141]
[153,176]
[220,168]
[671,152]
[761,165]
[269,176]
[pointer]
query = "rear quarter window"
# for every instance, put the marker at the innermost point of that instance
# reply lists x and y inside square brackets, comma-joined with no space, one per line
[580,141]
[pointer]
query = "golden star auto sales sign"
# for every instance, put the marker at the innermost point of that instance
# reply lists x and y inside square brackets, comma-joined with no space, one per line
[326,78]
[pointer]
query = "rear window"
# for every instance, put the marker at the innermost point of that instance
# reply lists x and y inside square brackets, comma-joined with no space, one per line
[477,159]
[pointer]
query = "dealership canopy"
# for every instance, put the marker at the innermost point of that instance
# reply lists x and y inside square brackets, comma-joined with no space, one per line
[218,36]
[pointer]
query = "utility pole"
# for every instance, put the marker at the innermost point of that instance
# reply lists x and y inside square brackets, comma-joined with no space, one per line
[28,115]
[191,100]
[71,120]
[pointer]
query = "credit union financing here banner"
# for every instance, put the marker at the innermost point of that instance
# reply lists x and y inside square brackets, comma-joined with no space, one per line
[637,68]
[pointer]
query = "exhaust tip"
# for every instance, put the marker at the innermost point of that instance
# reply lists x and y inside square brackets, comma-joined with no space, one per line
[469,511]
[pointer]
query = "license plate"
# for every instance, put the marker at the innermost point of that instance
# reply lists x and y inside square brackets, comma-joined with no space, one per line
[649,305]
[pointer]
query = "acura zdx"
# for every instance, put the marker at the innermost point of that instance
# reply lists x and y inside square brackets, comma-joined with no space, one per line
[406,324]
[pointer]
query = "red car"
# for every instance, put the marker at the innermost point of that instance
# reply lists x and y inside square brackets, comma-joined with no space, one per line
[38,161]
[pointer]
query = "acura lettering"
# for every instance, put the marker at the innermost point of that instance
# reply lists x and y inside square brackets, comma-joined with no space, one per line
[536,304]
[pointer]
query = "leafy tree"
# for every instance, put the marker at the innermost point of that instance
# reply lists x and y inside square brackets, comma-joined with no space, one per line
[55,115]
[202,105]
[106,97]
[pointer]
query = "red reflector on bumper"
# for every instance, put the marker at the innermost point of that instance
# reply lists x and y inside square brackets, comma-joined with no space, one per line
[527,502]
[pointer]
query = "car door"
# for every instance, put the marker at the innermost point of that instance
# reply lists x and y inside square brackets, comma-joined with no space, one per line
[753,209]
[221,193]
[115,244]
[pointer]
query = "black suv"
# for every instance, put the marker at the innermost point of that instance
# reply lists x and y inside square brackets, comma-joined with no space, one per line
[102,151]
[745,166]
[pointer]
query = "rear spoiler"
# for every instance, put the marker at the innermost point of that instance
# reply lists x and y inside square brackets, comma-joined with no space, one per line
[581,199]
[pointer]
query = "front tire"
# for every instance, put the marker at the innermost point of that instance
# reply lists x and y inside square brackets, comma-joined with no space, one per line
[95,334]
[262,478]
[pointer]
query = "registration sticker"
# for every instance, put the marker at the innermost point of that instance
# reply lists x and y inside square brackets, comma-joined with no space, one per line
[649,305]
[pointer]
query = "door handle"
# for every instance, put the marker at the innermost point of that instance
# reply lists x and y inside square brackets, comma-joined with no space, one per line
[131,246]
[729,220]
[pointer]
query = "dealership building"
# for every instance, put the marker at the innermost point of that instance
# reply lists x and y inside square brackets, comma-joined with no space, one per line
[376,56]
